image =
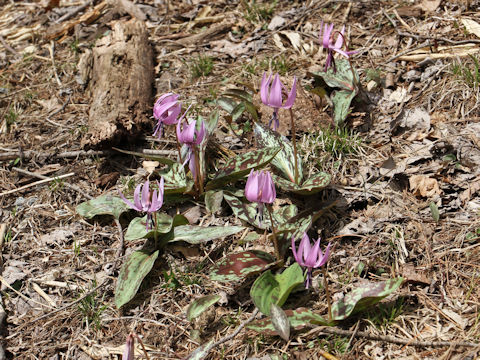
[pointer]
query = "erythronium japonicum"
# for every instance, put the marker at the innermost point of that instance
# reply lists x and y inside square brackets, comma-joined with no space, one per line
[166,111]
[146,201]
[327,42]
[271,94]
[129,352]
[188,134]
[312,258]
[260,188]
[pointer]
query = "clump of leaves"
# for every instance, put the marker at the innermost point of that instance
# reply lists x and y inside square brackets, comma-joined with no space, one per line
[468,72]
[92,308]
[257,13]
[201,66]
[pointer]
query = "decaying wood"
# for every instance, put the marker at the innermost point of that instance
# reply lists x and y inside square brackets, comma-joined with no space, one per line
[121,84]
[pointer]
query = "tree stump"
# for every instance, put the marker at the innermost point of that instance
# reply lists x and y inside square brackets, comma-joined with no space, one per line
[121,85]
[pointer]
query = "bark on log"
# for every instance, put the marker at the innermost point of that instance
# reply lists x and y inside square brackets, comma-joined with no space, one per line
[121,85]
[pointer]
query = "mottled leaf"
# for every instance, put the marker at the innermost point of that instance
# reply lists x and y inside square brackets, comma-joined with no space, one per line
[235,267]
[434,211]
[363,297]
[227,104]
[198,306]
[249,212]
[212,122]
[239,166]
[298,319]
[280,321]
[341,104]
[160,159]
[271,289]
[213,200]
[198,234]
[176,181]
[238,111]
[103,205]
[284,160]
[239,94]
[310,186]
[342,78]
[132,274]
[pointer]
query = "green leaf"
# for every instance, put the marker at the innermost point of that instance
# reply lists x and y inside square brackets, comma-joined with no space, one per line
[176,180]
[213,200]
[236,267]
[314,184]
[271,289]
[241,165]
[102,205]
[227,104]
[197,234]
[284,160]
[201,352]
[434,211]
[198,306]
[239,94]
[248,212]
[212,122]
[280,321]
[298,319]
[132,274]
[137,227]
[238,111]
[363,297]
[160,159]
[341,104]
[342,78]
[252,110]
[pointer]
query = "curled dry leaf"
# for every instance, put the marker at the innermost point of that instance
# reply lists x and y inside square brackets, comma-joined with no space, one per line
[424,186]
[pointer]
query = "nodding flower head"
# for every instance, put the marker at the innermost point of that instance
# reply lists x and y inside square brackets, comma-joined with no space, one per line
[260,187]
[309,257]
[327,42]
[271,94]
[146,201]
[129,352]
[188,134]
[166,111]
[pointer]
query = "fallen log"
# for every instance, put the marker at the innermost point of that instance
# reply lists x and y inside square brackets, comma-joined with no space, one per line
[121,85]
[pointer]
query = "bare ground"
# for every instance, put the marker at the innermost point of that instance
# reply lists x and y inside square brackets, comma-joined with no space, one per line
[419,144]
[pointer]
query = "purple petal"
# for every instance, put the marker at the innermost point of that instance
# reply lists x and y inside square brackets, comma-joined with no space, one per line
[313,255]
[275,99]
[136,197]
[292,96]
[323,258]
[268,189]
[264,88]
[294,251]
[192,165]
[304,248]
[251,187]
[146,196]
[339,42]
[128,202]
[200,134]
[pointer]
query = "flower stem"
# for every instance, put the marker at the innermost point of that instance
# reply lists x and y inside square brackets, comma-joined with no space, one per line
[327,293]
[275,240]
[198,178]
[143,347]
[294,140]
[155,234]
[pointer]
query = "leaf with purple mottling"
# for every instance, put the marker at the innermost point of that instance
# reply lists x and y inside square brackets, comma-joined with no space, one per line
[236,267]
[310,186]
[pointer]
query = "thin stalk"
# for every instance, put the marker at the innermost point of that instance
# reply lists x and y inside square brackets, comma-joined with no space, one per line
[198,178]
[143,347]
[327,293]
[275,240]
[294,139]
[155,235]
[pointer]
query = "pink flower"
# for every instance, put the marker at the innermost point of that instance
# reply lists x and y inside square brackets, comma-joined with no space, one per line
[327,42]
[260,188]
[191,137]
[310,257]
[146,201]
[271,95]
[129,352]
[166,111]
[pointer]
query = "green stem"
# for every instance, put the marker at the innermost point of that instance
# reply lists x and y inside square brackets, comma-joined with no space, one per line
[274,233]
[155,235]
[294,140]
[327,293]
